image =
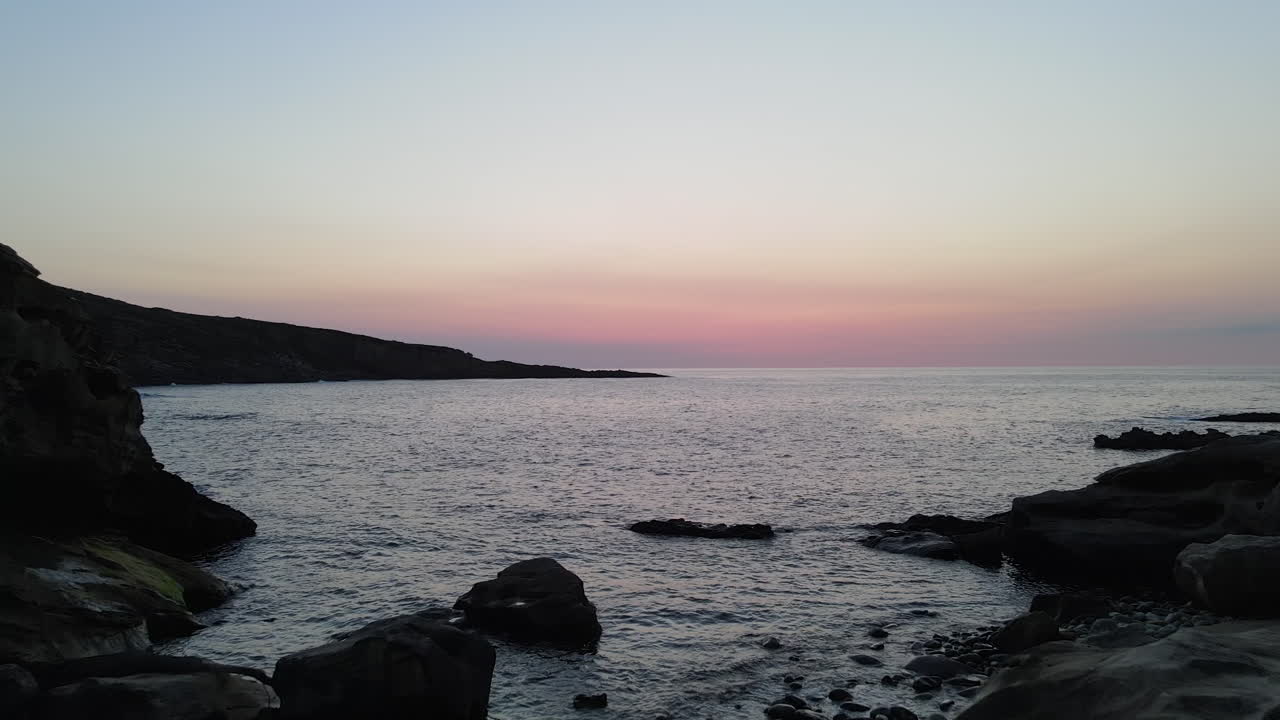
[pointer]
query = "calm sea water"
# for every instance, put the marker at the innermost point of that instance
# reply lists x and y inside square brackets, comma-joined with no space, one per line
[380,498]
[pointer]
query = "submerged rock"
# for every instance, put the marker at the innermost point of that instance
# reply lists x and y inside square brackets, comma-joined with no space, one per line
[688,528]
[533,600]
[1140,439]
[939,666]
[588,702]
[1219,671]
[404,667]
[1234,575]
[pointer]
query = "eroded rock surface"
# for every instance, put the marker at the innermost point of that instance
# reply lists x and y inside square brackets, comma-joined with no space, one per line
[406,667]
[1234,575]
[1141,439]
[1224,671]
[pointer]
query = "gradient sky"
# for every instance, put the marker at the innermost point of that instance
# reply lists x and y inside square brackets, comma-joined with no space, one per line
[667,184]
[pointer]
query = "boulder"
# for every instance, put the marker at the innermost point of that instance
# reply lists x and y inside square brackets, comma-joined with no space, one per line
[1025,632]
[1134,520]
[687,528]
[1140,439]
[404,667]
[1234,575]
[17,688]
[939,666]
[1224,671]
[923,544]
[158,696]
[1069,606]
[77,597]
[536,601]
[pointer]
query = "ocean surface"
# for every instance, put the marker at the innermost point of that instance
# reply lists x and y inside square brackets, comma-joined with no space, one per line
[375,499]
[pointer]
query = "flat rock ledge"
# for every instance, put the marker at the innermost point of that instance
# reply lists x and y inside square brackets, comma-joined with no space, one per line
[1218,671]
[1141,439]
[718,531]
[1262,417]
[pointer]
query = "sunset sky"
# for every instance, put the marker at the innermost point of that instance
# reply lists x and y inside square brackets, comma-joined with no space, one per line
[667,184]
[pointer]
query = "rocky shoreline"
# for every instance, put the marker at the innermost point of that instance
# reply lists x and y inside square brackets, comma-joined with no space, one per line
[95,566]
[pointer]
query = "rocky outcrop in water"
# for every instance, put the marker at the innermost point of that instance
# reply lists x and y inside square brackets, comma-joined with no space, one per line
[407,667]
[1218,671]
[535,601]
[1134,520]
[154,346]
[1141,439]
[943,537]
[688,528]
[1234,575]
[1259,417]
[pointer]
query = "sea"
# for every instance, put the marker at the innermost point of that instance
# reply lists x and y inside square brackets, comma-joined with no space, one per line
[375,499]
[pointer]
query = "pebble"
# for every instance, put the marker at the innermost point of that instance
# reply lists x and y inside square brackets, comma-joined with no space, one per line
[839,694]
[868,660]
[780,710]
[854,707]
[878,633]
[772,643]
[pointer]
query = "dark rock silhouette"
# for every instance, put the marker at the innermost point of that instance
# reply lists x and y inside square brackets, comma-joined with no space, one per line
[1234,575]
[1140,439]
[72,454]
[406,667]
[1134,520]
[688,528]
[154,346]
[76,475]
[536,601]
[1262,417]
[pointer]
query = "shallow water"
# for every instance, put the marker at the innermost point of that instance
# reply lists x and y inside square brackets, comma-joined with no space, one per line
[381,498]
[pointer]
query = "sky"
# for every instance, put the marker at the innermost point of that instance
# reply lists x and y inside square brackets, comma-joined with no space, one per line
[691,183]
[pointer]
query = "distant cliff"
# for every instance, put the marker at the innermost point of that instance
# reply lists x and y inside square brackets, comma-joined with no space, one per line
[154,346]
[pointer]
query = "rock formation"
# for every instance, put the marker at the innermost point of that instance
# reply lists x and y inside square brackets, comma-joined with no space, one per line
[1134,520]
[154,346]
[1140,439]
[405,667]
[688,528]
[76,474]
[72,455]
[533,600]
[1234,575]
[1218,671]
